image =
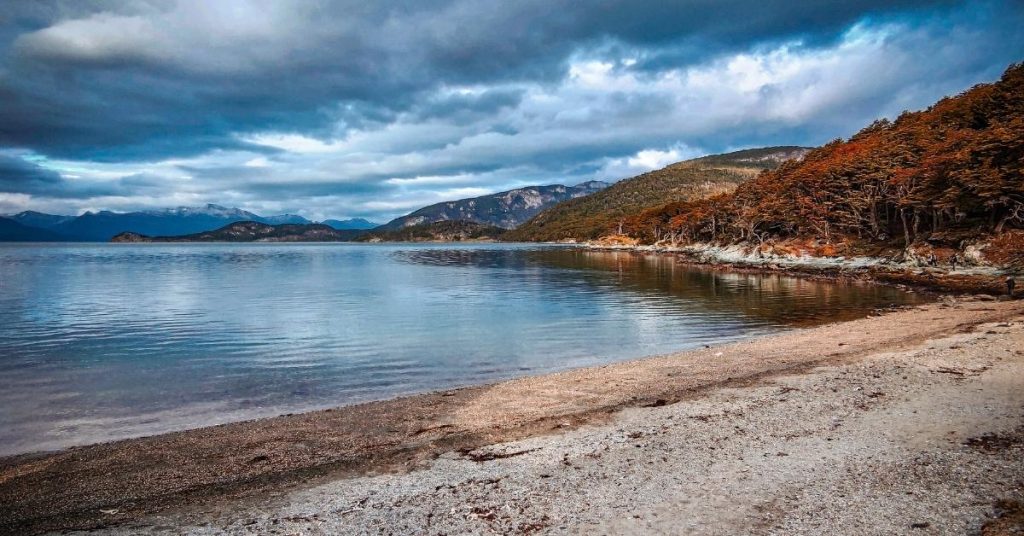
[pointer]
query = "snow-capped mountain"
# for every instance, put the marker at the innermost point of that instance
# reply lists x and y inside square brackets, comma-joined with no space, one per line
[103,225]
[212,210]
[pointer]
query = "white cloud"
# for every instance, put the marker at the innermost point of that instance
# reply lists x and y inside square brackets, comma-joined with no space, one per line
[644,161]
[258,162]
[293,143]
[608,118]
[195,35]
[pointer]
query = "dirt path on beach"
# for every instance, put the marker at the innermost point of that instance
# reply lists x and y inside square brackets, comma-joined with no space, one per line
[906,422]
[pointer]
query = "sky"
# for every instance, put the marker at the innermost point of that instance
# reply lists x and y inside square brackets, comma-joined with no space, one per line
[337,109]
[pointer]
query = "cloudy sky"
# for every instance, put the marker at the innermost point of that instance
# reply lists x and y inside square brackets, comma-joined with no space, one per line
[371,109]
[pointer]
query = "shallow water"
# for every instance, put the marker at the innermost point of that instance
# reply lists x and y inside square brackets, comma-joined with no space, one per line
[106,341]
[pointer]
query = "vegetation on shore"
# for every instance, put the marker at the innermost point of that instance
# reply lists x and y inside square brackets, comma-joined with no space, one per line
[602,212]
[941,178]
[442,231]
[251,231]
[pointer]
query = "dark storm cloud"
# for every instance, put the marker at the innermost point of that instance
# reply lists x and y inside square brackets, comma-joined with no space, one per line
[304,189]
[22,177]
[346,108]
[467,107]
[19,176]
[137,80]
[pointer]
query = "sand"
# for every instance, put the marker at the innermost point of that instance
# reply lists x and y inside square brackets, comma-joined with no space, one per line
[907,422]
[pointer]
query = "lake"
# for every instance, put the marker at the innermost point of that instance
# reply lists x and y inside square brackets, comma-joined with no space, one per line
[108,341]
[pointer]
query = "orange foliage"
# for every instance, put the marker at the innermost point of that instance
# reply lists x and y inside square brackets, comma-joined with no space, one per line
[615,240]
[1006,249]
[957,165]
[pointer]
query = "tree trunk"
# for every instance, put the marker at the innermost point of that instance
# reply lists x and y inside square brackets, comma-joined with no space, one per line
[906,228]
[1002,222]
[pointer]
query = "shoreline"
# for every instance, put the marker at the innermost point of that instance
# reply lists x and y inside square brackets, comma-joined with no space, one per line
[125,481]
[967,280]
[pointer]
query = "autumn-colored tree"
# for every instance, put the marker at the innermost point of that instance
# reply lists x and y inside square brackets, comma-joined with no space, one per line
[957,166]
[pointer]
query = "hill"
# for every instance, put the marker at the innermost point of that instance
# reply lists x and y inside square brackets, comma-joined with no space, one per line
[601,213]
[941,179]
[13,231]
[440,231]
[504,209]
[353,223]
[251,231]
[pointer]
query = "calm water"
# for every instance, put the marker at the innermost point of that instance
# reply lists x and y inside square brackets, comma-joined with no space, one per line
[105,341]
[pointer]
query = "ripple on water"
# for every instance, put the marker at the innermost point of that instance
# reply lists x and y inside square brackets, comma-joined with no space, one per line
[102,341]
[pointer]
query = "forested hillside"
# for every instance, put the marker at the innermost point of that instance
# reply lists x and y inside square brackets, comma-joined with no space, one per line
[943,175]
[439,231]
[600,213]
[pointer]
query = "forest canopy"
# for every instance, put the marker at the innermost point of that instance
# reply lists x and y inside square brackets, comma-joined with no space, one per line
[928,175]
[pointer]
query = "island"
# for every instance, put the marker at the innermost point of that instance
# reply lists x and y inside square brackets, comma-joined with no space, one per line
[251,231]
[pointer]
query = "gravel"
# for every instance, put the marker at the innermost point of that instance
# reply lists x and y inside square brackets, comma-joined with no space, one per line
[923,438]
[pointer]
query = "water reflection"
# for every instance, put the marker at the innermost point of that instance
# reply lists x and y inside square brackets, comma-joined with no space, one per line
[778,299]
[108,341]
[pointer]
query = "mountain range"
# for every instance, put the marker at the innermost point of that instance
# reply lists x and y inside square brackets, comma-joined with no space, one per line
[102,226]
[506,209]
[532,213]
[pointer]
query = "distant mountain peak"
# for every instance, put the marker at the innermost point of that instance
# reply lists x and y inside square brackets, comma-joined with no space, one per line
[34,213]
[506,209]
[351,224]
[182,220]
[210,209]
[39,220]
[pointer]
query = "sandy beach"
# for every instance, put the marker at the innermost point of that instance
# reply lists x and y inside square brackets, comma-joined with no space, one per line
[909,421]
[290,268]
